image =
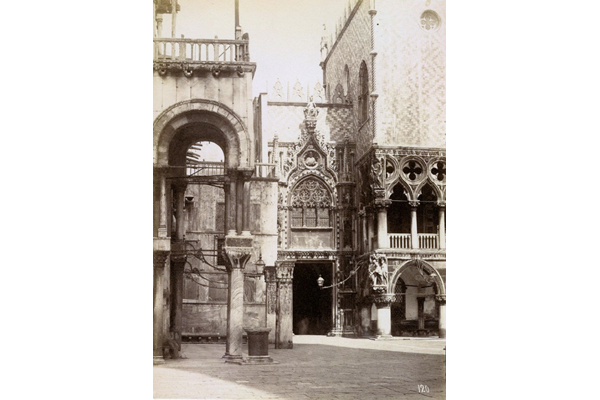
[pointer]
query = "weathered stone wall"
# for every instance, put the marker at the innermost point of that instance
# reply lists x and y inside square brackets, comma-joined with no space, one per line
[229,89]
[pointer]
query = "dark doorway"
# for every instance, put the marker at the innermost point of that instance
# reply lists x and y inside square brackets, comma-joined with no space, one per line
[312,305]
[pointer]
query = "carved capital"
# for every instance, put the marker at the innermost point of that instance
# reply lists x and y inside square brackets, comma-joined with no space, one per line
[270,274]
[413,203]
[441,204]
[380,203]
[238,250]
[160,257]
[285,271]
[384,300]
[441,298]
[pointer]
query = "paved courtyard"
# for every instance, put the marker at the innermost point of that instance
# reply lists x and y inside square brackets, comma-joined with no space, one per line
[318,367]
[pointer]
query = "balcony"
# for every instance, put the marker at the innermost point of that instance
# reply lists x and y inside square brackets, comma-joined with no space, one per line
[403,241]
[201,50]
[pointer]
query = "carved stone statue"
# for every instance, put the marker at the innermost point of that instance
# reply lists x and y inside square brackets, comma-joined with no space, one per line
[311,109]
[378,267]
[376,172]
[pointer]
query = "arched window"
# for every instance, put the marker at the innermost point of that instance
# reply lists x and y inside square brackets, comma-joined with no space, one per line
[310,205]
[346,80]
[363,96]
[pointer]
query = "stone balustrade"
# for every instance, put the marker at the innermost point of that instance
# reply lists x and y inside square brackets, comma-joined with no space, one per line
[265,170]
[403,240]
[206,168]
[201,50]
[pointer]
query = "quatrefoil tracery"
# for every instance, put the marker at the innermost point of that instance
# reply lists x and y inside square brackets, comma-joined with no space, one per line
[412,170]
[311,193]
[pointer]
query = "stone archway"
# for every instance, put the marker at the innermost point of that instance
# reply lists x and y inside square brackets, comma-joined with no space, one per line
[175,130]
[422,295]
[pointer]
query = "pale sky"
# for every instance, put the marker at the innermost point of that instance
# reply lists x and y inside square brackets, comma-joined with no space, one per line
[285,35]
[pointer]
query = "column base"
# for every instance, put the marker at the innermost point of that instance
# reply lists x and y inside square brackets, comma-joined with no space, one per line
[335,333]
[232,359]
[383,337]
[254,360]
[158,360]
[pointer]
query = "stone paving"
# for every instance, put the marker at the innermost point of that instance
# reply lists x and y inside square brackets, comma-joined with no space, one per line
[318,367]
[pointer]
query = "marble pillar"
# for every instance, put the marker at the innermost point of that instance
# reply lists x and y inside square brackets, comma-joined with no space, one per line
[442,225]
[442,315]
[162,227]
[381,205]
[231,205]
[238,250]
[383,303]
[271,301]
[178,265]
[414,234]
[284,323]
[160,258]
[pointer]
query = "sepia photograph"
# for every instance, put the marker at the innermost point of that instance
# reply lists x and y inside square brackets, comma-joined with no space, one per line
[299,153]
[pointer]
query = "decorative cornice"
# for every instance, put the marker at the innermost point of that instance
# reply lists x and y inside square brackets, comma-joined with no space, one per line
[216,68]
[312,255]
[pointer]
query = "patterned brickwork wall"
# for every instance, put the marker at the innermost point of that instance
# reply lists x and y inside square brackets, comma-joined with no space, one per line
[352,48]
[411,70]
[285,120]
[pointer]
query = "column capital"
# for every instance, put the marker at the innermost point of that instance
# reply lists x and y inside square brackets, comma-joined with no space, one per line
[284,271]
[179,186]
[382,203]
[238,250]
[270,274]
[441,298]
[384,299]
[441,204]
[160,257]
[414,203]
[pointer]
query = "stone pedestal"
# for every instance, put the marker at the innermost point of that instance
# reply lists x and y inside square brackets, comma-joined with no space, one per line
[383,303]
[258,346]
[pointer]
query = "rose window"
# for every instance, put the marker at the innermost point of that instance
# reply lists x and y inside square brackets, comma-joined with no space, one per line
[429,20]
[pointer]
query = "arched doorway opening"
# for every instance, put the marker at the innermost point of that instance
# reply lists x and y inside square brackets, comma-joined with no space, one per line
[417,309]
[312,306]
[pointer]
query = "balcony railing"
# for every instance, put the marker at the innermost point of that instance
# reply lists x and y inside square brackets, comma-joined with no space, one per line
[198,50]
[428,241]
[403,240]
[206,168]
[265,170]
[399,240]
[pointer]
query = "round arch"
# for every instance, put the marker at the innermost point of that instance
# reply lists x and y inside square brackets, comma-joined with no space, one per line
[426,266]
[238,149]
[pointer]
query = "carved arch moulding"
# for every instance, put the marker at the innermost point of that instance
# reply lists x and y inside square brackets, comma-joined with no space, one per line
[207,111]
[412,168]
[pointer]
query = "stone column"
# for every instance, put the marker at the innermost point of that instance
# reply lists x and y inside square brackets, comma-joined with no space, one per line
[421,313]
[441,299]
[178,265]
[382,229]
[244,200]
[370,230]
[284,324]
[162,227]
[442,224]
[363,230]
[271,301]
[414,234]
[383,303]
[174,17]
[179,194]
[160,257]
[231,204]
[238,250]
[239,205]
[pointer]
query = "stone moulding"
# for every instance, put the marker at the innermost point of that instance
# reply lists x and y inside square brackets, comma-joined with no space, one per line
[215,67]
